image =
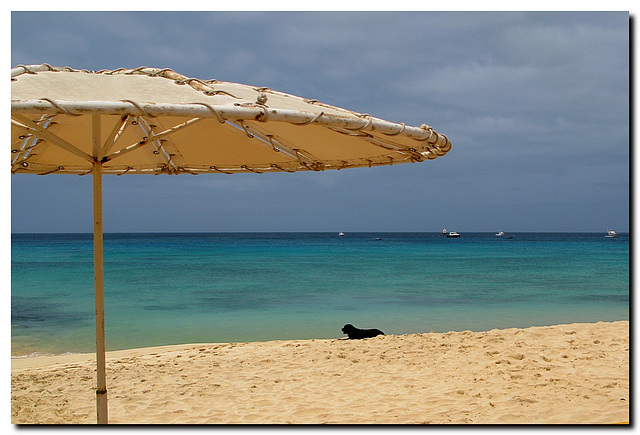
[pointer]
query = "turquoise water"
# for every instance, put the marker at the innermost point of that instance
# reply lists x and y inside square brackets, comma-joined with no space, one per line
[224,287]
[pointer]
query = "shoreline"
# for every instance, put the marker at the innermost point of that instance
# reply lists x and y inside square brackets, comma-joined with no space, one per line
[563,374]
[69,356]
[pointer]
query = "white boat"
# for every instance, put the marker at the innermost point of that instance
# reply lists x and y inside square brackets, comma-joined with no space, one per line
[445,232]
[500,233]
[341,233]
[453,235]
[611,233]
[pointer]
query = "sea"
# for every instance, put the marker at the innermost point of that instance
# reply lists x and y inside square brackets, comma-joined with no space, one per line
[175,288]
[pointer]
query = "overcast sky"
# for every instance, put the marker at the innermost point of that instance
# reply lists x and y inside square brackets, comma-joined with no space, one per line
[536,106]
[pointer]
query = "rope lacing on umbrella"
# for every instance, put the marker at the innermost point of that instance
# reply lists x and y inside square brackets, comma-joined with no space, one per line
[160,71]
[213,92]
[273,145]
[188,81]
[264,114]
[274,166]
[311,121]
[315,166]
[344,164]
[111,72]
[49,68]
[246,168]
[129,168]
[28,70]
[135,70]
[59,107]
[213,168]
[366,125]
[397,132]
[428,128]
[244,127]
[186,170]
[213,110]
[59,168]
[140,108]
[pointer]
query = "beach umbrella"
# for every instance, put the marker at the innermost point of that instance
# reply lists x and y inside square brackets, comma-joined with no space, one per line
[156,121]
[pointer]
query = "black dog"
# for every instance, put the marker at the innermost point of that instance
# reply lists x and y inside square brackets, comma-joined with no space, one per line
[356,333]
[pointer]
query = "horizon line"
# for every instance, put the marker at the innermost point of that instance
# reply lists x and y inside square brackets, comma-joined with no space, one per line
[303,232]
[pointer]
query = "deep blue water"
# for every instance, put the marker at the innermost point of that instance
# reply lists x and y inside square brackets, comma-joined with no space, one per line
[185,288]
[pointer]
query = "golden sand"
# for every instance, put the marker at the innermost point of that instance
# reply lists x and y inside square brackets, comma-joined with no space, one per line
[573,374]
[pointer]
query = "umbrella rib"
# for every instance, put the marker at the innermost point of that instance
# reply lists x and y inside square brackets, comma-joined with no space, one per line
[115,134]
[276,143]
[213,110]
[159,150]
[411,152]
[51,137]
[150,139]
[175,128]
[367,123]
[172,156]
[237,112]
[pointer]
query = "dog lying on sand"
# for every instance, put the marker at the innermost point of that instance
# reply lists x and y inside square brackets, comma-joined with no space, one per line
[356,334]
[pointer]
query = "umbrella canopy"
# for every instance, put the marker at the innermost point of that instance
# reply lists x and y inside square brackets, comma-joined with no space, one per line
[157,121]
[154,121]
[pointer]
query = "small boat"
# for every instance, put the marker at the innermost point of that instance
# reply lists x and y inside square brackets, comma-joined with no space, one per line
[377,238]
[445,232]
[453,235]
[500,233]
[341,233]
[611,233]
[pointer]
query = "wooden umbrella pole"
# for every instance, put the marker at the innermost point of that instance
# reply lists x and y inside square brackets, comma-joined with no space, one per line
[98,264]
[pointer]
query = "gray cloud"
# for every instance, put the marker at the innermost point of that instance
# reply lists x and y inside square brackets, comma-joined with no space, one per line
[536,105]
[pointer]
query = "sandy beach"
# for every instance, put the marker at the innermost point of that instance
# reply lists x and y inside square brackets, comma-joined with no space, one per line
[565,374]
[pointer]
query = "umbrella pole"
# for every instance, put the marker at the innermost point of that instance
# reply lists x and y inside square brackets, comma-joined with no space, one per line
[98,264]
